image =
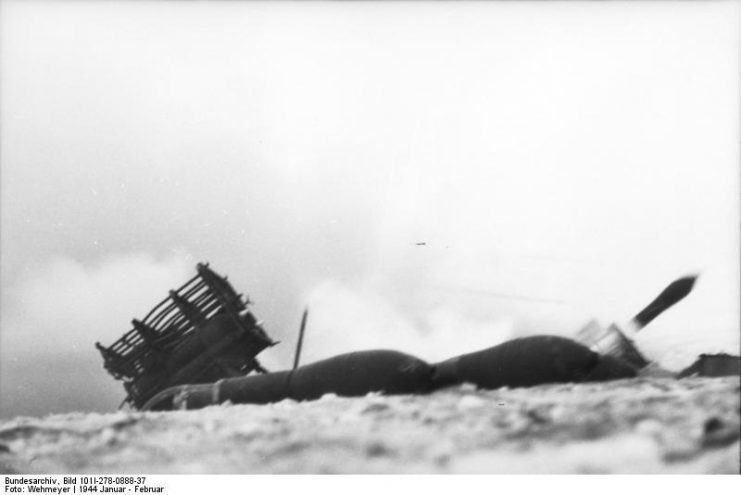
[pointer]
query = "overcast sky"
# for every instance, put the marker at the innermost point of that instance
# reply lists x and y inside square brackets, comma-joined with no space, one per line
[582,155]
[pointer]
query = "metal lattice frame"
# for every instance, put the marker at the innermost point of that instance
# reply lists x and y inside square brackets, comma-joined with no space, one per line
[169,324]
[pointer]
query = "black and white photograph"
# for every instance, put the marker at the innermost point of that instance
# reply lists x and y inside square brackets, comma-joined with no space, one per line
[368,238]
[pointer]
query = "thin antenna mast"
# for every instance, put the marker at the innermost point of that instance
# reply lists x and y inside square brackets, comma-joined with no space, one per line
[300,338]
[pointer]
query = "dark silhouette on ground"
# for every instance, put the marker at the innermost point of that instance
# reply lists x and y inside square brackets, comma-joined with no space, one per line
[522,362]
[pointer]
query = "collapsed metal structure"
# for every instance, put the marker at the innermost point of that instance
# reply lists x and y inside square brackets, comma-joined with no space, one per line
[197,348]
[200,333]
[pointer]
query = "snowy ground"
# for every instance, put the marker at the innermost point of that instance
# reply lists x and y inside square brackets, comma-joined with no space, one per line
[645,425]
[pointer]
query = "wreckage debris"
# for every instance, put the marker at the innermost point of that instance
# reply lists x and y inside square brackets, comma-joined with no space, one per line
[201,333]
[713,365]
[199,346]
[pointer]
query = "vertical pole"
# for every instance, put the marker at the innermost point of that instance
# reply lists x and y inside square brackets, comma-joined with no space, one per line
[300,338]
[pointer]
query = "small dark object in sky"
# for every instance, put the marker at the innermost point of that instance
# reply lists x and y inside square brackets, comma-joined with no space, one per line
[713,365]
[420,244]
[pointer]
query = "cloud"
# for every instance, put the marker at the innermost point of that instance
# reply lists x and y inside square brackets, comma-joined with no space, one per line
[344,319]
[66,305]
[52,318]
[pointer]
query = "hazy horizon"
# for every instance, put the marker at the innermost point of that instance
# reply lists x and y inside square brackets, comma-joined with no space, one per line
[428,177]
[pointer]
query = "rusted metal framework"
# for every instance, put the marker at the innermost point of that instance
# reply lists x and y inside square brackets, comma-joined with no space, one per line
[200,333]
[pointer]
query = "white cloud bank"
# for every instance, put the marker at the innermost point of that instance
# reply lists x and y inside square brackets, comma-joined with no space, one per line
[52,319]
[65,305]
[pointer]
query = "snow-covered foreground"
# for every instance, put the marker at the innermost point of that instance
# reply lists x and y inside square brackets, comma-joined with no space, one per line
[645,425]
